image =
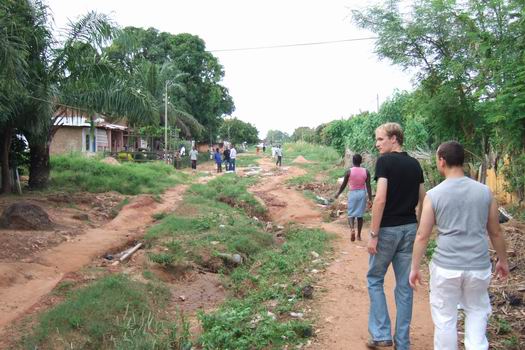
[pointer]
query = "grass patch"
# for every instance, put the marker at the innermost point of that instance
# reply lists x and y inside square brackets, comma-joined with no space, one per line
[77,173]
[247,160]
[112,313]
[431,248]
[220,221]
[312,152]
[248,321]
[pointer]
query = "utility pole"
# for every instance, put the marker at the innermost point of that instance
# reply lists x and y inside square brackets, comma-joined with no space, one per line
[377,103]
[166,122]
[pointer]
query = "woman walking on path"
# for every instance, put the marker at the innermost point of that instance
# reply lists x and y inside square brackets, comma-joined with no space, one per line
[357,178]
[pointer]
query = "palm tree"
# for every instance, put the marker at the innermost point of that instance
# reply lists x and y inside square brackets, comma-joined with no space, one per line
[81,77]
[24,40]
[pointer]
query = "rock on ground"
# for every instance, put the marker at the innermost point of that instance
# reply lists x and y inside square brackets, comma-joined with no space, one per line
[25,216]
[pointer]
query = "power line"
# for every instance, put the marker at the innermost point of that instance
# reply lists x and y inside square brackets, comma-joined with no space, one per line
[294,45]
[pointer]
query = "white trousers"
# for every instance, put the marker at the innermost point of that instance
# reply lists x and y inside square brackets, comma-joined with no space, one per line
[448,288]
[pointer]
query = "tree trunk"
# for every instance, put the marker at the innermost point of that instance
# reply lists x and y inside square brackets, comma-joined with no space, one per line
[6,145]
[39,166]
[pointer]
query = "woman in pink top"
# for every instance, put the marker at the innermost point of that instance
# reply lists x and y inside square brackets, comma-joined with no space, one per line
[358,180]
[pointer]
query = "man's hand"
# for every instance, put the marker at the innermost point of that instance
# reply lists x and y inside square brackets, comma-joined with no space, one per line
[502,270]
[372,246]
[414,278]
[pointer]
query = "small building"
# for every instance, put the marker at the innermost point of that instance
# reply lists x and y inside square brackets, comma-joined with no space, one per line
[73,135]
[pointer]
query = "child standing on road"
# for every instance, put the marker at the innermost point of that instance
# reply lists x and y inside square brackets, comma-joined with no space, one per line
[218,160]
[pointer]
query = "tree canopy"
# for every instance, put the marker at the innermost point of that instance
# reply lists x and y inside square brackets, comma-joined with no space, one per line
[237,131]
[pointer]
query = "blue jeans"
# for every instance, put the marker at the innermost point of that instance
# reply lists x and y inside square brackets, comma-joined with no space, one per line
[232,164]
[394,246]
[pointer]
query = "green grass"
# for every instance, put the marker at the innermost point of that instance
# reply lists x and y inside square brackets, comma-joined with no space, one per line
[244,322]
[312,152]
[269,273]
[216,218]
[247,160]
[222,213]
[112,313]
[431,248]
[77,173]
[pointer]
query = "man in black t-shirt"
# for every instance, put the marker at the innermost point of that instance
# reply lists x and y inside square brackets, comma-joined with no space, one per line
[392,232]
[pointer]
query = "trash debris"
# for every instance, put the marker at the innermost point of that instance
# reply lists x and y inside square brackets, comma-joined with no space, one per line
[314,254]
[322,200]
[235,259]
[307,292]
[297,314]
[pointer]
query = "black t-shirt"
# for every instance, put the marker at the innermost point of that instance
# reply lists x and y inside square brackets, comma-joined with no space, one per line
[226,154]
[404,175]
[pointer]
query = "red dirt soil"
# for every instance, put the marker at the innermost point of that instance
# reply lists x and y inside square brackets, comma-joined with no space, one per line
[24,283]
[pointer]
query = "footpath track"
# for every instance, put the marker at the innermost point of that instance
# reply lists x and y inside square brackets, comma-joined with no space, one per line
[341,302]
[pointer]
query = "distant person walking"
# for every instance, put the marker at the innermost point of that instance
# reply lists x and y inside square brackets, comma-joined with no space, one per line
[358,181]
[226,154]
[218,159]
[182,151]
[193,158]
[279,155]
[460,271]
[233,157]
[392,232]
[264,147]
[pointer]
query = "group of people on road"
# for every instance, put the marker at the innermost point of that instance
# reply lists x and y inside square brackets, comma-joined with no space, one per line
[403,216]
[229,157]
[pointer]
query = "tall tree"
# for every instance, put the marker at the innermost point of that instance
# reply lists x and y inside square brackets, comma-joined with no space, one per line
[237,131]
[203,97]
[24,39]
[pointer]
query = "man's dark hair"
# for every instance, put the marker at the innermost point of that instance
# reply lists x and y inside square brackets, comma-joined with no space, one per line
[357,159]
[452,152]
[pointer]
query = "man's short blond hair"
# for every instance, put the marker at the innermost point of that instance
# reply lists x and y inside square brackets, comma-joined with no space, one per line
[393,129]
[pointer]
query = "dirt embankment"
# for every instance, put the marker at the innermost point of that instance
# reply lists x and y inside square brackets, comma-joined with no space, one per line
[29,270]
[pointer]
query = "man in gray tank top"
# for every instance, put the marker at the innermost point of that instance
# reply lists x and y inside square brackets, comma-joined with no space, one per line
[464,211]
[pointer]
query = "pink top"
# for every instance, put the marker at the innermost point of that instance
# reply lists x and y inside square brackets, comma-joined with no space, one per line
[357,178]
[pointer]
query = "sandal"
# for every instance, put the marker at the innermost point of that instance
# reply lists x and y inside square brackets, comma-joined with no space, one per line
[352,236]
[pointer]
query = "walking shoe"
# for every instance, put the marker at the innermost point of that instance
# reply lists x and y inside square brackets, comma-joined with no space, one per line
[374,344]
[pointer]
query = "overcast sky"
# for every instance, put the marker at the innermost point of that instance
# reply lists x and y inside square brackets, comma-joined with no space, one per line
[280,88]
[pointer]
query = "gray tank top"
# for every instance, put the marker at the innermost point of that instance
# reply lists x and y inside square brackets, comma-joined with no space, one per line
[461,206]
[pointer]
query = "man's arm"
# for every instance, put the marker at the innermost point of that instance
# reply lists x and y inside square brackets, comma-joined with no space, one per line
[368,186]
[377,213]
[422,194]
[420,244]
[343,185]
[498,242]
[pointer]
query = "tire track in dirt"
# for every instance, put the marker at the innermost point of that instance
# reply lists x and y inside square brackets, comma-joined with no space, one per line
[342,306]
[24,283]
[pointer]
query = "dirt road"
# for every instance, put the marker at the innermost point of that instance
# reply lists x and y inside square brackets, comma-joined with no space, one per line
[342,307]
[24,283]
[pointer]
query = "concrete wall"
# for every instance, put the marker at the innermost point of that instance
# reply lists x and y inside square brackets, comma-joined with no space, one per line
[67,140]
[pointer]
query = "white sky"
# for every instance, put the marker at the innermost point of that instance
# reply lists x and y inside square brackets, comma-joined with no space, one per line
[280,88]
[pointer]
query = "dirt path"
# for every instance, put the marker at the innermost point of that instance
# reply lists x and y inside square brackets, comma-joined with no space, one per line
[342,307]
[24,283]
